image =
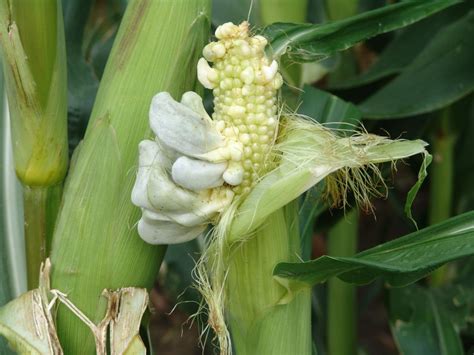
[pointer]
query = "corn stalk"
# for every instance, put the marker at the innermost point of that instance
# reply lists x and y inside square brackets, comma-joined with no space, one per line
[441,190]
[95,244]
[32,40]
[342,312]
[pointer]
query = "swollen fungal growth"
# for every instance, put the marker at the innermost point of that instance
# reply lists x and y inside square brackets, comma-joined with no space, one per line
[244,83]
[191,172]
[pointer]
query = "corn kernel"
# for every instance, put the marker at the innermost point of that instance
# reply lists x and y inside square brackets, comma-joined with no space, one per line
[245,104]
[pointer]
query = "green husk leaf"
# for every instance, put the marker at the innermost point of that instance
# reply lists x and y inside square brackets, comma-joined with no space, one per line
[124,328]
[261,321]
[308,42]
[310,153]
[399,262]
[96,244]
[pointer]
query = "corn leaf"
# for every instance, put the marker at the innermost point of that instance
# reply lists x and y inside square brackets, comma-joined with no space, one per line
[399,262]
[434,315]
[447,59]
[308,42]
[406,46]
[328,109]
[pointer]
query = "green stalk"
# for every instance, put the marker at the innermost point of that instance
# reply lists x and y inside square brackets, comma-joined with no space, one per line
[441,188]
[342,333]
[341,9]
[286,11]
[263,318]
[33,45]
[41,206]
[32,38]
[283,10]
[95,244]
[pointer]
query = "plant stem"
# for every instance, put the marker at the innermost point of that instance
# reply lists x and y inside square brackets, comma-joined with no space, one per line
[41,205]
[33,45]
[263,319]
[95,244]
[283,10]
[342,311]
[341,9]
[441,188]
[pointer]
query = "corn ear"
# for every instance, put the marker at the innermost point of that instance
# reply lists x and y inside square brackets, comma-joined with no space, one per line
[260,321]
[95,245]
[259,228]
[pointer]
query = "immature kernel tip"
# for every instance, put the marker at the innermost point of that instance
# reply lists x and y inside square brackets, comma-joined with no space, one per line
[203,72]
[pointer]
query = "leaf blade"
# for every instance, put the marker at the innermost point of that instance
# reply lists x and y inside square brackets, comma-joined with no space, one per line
[307,42]
[400,262]
[446,59]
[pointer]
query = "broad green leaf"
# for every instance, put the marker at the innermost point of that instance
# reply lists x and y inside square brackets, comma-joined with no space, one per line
[400,262]
[406,46]
[328,109]
[440,75]
[308,42]
[425,321]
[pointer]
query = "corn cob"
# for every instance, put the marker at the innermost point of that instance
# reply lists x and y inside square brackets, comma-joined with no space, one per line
[244,84]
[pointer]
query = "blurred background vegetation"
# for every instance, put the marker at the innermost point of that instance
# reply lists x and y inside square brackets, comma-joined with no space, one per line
[416,82]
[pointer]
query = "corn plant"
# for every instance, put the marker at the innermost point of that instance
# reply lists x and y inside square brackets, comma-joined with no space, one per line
[155,168]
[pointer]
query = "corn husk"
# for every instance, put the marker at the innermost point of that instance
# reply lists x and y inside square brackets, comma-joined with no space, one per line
[95,243]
